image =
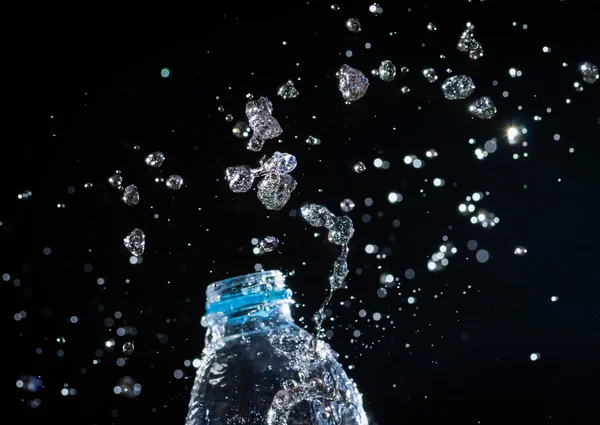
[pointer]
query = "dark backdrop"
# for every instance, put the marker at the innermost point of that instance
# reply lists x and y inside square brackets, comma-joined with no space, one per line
[86,96]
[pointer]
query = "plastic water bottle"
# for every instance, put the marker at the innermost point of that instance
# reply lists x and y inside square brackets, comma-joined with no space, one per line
[259,368]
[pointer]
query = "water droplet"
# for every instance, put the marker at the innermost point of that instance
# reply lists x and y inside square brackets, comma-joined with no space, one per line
[262,123]
[359,167]
[287,90]
[268,244]
[279,163]
[340,229]
[174,182]
[135,242]
[116,180]
[240,178]
[458,87]
[352,83]
[467,43]
[155,159]
[589,72]
[276,187]
[353,25]
[376,9]
[483,108]
[347,205]
[128,348]
[387,71]
[430,75]
[131,195]
[311,140]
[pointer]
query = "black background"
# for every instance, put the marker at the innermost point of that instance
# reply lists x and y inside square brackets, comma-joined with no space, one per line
[86,96]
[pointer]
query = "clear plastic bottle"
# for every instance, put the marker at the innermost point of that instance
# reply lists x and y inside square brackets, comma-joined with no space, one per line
[258,367]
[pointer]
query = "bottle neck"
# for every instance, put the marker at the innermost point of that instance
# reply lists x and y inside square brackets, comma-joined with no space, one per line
[247,304]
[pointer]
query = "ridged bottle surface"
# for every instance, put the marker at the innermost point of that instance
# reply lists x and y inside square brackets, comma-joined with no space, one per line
[258,367]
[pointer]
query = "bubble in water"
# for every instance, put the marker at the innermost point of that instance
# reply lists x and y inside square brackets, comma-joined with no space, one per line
[268,244]
[534,356]
[404,70]
[131,195]
[135,242]
[387,71]
[335,7]
[352,83]
[264,126]
[24,195]
[430,75]
[311,140]
[405,90]
[155,159]
[483,108]
[347,205]
[174,182]
[353,25]
[458,87]
[116,180]
[228,117]
[287,90]
[221,109]
[431,26]
[589,72]
[88,185]
[128,348]
[359,167]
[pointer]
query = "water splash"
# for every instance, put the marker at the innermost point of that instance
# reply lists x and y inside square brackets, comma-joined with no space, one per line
[276,187]
[309,390]
[341,230]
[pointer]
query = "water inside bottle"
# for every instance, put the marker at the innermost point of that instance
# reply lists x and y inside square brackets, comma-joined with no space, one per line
[257,365]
